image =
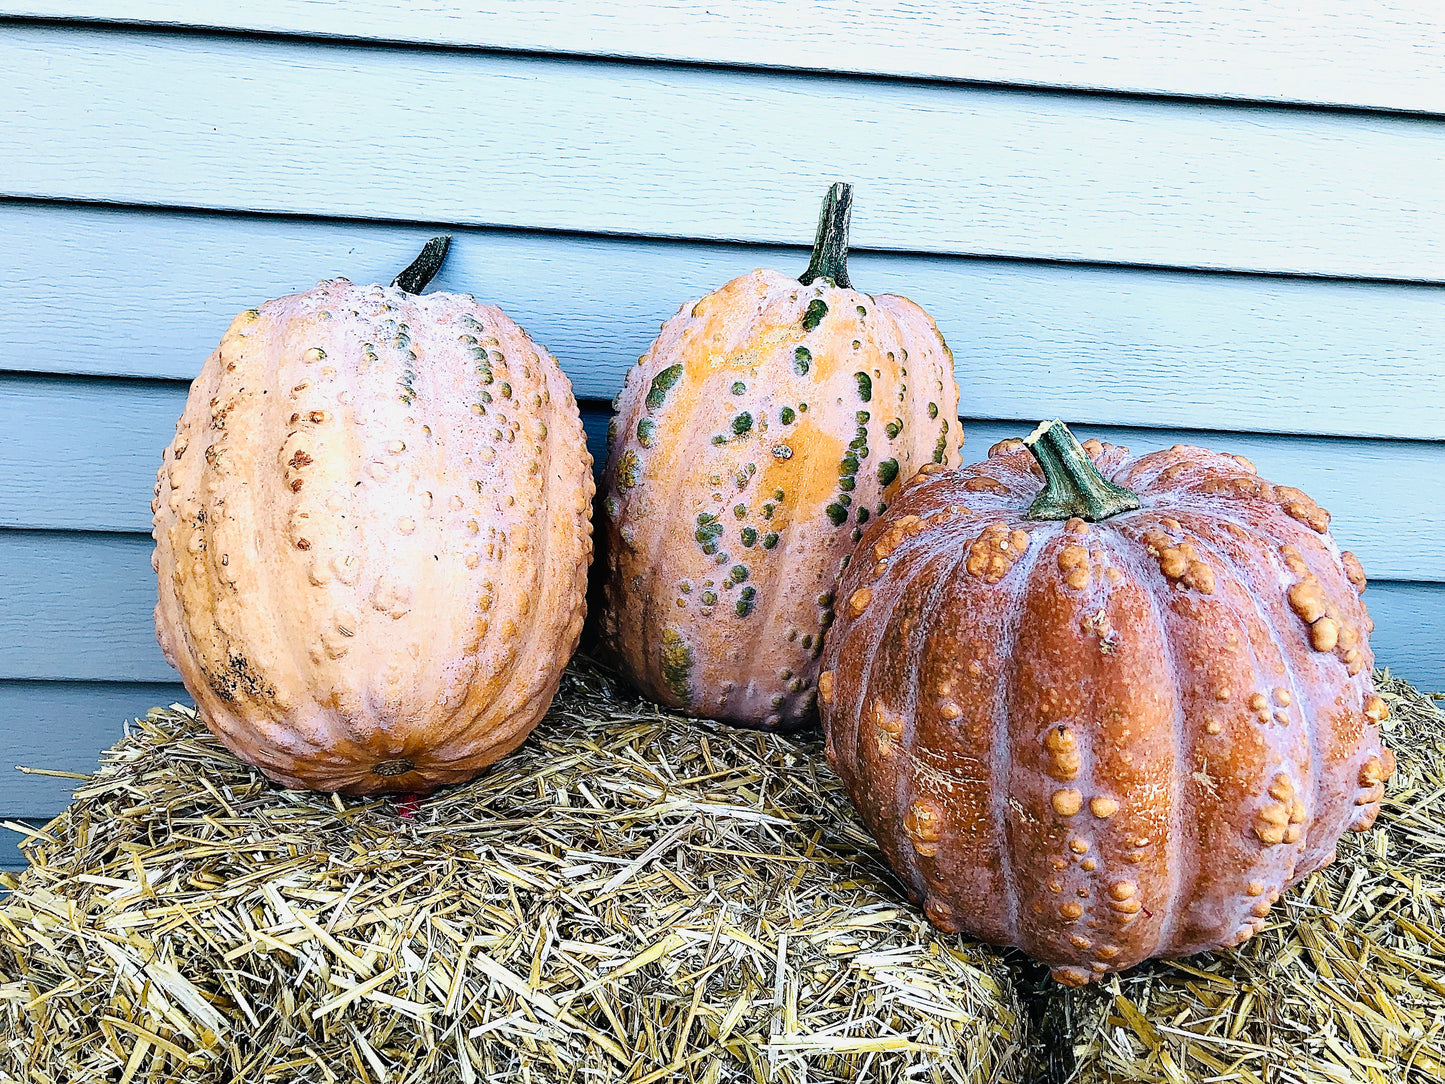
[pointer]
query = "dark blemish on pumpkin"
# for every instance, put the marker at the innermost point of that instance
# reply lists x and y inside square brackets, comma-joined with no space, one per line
[813,315]
[857,532]
[807,640]
[745,601]
[862,515]
[739,387]
[865,386]
[611,434]
[663,383]
[646,432]
[770,540]
[296,484]
[782,451]
[300,459]
[882,507]
[933,410]
[238,677]
[786,415]
[749,536]
[802,360]
[393,767]
[629,469]
[676,664]
[893,428]
[303,544]
[743,423]
[837,514]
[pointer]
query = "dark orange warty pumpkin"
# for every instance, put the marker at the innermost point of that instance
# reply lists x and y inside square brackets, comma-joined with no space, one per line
[751,445]
[1099,707]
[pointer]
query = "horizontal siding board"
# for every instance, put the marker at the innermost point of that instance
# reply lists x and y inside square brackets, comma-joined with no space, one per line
[481,139]
[78,607]
[137,293]
[82,455]
[62,727]
[1338,52]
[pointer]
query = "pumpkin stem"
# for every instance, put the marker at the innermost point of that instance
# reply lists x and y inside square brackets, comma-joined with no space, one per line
[830,250]
[1073,486]
[424,268]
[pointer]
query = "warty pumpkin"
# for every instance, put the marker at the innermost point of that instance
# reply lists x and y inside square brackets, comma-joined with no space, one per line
[372,535]
[750,446]
[1103,708]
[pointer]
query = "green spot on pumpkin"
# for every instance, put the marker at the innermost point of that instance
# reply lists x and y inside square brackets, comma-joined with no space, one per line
[849,465]
[719,438]
[862,311]
[862,515]
[611,434]
[742,423]
[865,386]
[802,408]
[646,432]
[663,383]
[887,471]
[770,540]
[676,665]
[802,360]
[782,451]
[745,601]
[749,536]
[856,534]
[611,507]
[813,315]
[786,415]
[768,510]
[941,448]
[739,387]
[506,390]
[893,428]
[863,417]
[740,510]
[933,410]
[709,598]
[739,573]
[837,514]
[629,469]
[847,483]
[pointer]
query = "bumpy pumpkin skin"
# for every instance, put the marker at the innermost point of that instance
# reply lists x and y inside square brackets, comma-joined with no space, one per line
[372,537]
[768,422]
[1112,741]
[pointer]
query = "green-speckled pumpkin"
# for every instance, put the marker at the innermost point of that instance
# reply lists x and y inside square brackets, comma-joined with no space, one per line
[751,444]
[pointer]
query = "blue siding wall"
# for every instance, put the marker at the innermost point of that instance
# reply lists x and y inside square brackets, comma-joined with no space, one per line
[1221,227]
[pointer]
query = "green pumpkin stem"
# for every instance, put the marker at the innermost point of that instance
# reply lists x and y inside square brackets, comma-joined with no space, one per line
[830,250]
[1073,486]
[424,268]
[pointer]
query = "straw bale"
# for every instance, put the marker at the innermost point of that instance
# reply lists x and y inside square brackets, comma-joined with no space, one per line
[631,896]
[1345,986]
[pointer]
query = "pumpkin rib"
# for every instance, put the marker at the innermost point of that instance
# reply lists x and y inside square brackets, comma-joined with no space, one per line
[1301,694]
[906,782]
[1003,737]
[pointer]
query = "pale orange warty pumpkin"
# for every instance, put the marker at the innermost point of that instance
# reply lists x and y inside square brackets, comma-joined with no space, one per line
[372,536]
[750,446]
[1102,742]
